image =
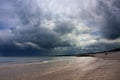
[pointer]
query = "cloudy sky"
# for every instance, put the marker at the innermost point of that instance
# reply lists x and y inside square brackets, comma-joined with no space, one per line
[47,27]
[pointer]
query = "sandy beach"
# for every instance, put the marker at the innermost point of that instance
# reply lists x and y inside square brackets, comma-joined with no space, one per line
[100,67]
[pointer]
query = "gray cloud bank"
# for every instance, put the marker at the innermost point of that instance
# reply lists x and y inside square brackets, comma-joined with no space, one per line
[45,27]
[110,10]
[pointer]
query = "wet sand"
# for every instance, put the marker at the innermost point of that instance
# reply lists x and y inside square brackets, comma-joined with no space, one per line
[100,67]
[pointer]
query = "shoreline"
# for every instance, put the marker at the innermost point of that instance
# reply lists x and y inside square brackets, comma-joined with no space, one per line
[99,67]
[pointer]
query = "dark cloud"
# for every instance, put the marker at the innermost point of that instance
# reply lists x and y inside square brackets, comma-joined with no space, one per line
[12,50]
[110,10]
[33,26]
[64,28]
[3,26]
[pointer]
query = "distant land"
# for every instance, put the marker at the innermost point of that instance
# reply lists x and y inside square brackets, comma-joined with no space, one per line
[89,54]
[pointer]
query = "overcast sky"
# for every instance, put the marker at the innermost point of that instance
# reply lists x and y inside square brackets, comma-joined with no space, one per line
[47,27]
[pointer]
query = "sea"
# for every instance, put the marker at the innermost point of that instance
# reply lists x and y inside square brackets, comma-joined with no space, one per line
[20,60]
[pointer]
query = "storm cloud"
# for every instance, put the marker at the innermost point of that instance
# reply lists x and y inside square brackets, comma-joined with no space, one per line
[110,10]
[58,26]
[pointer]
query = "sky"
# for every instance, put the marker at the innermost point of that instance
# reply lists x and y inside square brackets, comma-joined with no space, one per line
[53,27]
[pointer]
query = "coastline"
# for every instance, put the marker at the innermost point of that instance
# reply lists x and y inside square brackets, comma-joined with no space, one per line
[99,67]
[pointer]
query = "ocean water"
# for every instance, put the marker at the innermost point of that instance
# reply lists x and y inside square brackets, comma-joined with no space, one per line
[21,60]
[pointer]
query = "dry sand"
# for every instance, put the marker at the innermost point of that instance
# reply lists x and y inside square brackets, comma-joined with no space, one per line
[100,67]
